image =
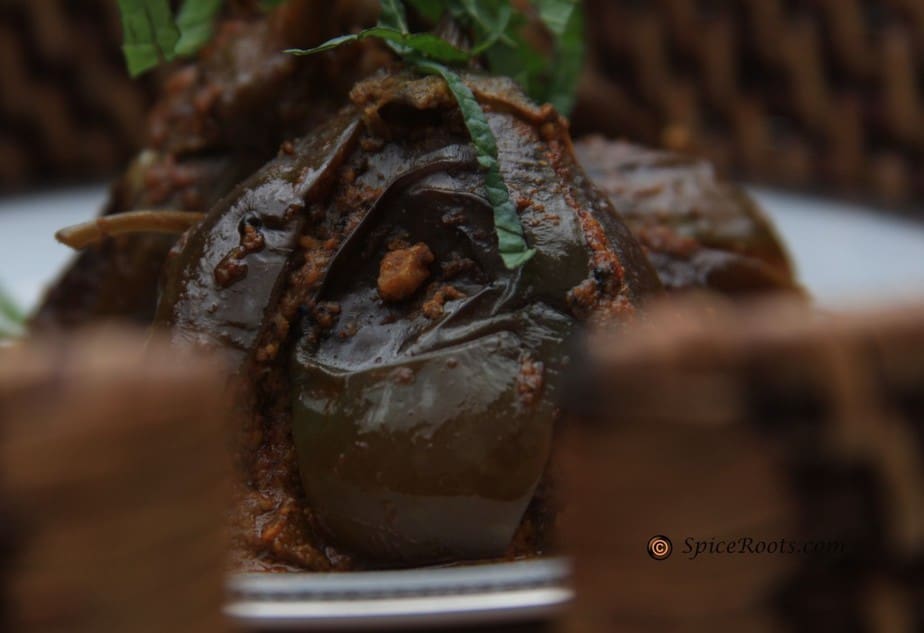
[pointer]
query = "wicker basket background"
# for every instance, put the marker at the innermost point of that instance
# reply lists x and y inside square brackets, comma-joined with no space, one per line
[815,94]
[68,109]
[807,93]
[715,423]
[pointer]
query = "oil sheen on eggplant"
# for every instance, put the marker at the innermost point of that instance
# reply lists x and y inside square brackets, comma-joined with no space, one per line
[214,123]
[422,419]
[698,231]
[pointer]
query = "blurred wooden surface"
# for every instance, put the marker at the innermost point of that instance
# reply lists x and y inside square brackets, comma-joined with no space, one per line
[114,486]
[714,423]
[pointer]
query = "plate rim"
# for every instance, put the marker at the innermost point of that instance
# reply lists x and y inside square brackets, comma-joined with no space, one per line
[518,591]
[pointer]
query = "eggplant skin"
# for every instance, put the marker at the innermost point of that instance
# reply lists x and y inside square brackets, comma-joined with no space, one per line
[421,425]
[698,231]
[231,268]
[215,122]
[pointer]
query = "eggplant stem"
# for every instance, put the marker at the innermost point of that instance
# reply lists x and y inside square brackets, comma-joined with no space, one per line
[79,236]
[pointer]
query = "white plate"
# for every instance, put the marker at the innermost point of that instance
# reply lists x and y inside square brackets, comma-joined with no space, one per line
[845,255]
[494,593]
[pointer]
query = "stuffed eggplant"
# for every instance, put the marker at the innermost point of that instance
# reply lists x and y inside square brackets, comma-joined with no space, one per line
[357,283]
[697,231]
[397,376]
[215,123]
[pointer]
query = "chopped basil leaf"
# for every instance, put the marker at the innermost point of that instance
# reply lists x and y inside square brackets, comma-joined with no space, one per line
[511,241]
[11,317]
[427,44]
[196,22]
[153,35]
[565,20]
[393,15]
[149,33]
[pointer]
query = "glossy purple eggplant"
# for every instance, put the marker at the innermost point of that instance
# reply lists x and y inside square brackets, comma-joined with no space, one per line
[422,417]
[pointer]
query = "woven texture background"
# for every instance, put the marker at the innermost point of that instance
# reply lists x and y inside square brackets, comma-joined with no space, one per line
[818,94]
[804,93]
[68,109]
[711,422]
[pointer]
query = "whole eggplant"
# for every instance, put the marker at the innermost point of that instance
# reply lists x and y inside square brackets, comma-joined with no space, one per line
[357,284]
[698,231]
[214,123]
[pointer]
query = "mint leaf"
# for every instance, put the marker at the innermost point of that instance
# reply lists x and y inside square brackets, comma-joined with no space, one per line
[430,10]
[196,23]
[556,14]
[149,33]
[545,78]
[520,61]
[428,53]
[330,44]
[511,240]
[393,15]
[565,19]
[426,44]
[437,48]
[492,19]
[11,317]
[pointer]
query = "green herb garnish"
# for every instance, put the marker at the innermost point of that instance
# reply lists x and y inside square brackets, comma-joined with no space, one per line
[510,240]
[152,35]
[149,33]
[497,34]
[196,23]
[431,45]
[12,318]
